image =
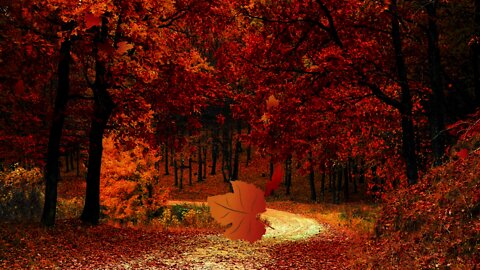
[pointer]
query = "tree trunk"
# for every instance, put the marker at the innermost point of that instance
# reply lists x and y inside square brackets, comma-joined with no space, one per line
[249,148]
[166,159]
[204,175]
[77,152]
[437,102]
[408,136]
[339,184]
[175,172]
[476,53]
[270,167]
[333,180]
[53,151]
[190,170]
[200,168]
[180,186]
[322,187]
[288,174]
[72,159]
[226,156]
[238,147]
[67,163]
[346,179]
[214,155]
[102,109]
[355,177]
[313,193]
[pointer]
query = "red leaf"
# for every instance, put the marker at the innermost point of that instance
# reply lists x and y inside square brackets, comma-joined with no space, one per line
[19,87]
[92,20]
[462,154]
[275,181]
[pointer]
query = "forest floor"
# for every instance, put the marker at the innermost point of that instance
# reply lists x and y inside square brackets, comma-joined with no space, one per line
[305,235]
[296,242]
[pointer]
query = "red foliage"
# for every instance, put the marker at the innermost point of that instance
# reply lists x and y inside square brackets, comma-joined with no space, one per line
[274,183]
[434,224]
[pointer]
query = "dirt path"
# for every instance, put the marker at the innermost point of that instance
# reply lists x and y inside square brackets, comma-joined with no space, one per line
[217,252]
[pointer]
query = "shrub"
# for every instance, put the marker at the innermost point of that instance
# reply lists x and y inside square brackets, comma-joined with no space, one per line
[129,194]
[434,224]
[21,194]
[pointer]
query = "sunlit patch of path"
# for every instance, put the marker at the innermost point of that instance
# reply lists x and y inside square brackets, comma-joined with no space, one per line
[218,252]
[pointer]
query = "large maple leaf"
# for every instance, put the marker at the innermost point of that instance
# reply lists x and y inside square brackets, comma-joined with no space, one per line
[240,210]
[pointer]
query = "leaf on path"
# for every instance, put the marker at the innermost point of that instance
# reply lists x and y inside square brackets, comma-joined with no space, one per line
[275,181]
[241,210]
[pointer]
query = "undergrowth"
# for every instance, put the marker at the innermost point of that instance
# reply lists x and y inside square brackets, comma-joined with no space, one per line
[434,224]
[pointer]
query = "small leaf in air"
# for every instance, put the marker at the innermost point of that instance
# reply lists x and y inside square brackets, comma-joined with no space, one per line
[123,47]
[272,102]
[462,154]
[240,210]
[274,183]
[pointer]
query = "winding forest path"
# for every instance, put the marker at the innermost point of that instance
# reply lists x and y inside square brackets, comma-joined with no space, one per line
[217,252]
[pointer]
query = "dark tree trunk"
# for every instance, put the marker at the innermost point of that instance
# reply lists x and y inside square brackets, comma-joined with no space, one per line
[175,172]
[322,186]
[53,151]
[270,167]
[476,54]
[361,177]
[204,163]
[230,152]
[313,193]
[67,163]
[200,164]
[238,148]
[437,102]
[288,174]
[338,191]
[102,109]
[214,155]
[249,148]
[355,177]
[72,159]
[333,181]
[77,152]
[180,186]
[165,157]
[408,135]
[190,170]
[226,156]
[346,179]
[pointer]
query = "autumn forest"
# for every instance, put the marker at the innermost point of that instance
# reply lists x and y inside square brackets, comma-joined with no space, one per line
[248,134]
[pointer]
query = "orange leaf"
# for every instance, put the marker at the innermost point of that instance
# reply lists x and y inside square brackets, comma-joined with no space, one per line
[272,102]
[123,47]
[275,181]
[92,20]
[240,210]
